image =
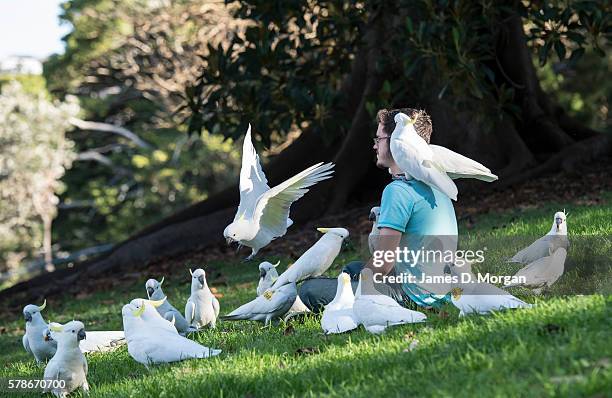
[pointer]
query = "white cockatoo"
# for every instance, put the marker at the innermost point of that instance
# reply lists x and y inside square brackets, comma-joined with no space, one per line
[459,166]
[167,310]
[338,315]
[202,307]
[473,297]
[151,316]
[542,272]
[148,344]
[317,259]
[267,307]
[263,213]
[376,311]
[434,165]
[375,233]
[267,276]
[416,159]
[546,245]
[68,364]
[34,340]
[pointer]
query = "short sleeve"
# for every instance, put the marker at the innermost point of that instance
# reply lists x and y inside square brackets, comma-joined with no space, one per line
[396,207]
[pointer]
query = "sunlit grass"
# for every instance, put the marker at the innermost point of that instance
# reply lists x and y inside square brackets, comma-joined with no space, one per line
[561,347]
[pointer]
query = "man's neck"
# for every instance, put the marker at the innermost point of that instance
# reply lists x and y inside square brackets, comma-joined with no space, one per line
[395,170]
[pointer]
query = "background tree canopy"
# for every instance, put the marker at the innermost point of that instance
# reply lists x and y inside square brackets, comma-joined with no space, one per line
[520,86]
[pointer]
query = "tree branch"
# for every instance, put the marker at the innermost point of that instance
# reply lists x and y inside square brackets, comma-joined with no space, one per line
[110,128]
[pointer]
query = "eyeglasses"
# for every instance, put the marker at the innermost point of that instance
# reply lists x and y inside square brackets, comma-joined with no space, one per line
[378,139]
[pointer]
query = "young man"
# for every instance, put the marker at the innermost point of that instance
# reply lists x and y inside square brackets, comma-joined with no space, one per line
[413,217]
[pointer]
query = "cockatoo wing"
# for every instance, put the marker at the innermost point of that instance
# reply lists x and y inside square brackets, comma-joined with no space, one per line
[538,249]
[215,304]
[102,341]
[26,344]
[459,166]
[383,310]
[338,321]
[190,311]
[253,181]
[544,271]
[414,157]
[272,209]
[173,348]
[257,309]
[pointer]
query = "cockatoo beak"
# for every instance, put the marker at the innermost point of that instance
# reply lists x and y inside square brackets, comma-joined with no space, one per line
[372,216]
[229,240]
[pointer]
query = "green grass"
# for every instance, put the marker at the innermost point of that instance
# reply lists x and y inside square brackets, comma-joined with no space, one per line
[561,347]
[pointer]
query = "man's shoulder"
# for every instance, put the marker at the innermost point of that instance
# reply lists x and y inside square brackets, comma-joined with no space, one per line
[398,187]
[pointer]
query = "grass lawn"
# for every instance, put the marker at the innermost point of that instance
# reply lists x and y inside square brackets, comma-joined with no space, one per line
[561,347]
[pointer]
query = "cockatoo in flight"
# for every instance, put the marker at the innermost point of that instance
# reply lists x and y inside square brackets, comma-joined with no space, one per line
[434,165]
[263,213]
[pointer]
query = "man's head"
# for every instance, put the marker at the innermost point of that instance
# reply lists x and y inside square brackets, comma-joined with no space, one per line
[386,125]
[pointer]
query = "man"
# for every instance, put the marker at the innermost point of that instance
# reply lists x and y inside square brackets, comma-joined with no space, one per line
[413,216]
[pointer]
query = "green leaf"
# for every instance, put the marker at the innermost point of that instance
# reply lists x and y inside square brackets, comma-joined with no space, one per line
[560,49]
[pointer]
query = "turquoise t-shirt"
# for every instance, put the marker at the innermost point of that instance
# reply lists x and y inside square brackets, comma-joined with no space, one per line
[427,220]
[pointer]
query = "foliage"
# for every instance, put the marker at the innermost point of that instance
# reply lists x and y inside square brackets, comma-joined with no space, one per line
[283,73]
[128,61]
[286,71]
[35,155]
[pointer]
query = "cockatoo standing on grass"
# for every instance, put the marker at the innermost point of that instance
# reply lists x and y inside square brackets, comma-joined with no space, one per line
[376,311]
[473,297]
[33,340]
[542,272]
[68,364]
[268,307]
[267,276]
[317,259]
[202,307]
[167,310]
[546,245]
[434,165]
[263,213]
[338,315]
[149,344]
[375,233]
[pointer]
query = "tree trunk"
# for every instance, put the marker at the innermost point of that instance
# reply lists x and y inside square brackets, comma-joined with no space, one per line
[47,247]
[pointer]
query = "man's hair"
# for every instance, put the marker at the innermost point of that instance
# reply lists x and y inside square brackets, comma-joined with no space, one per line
[422,125]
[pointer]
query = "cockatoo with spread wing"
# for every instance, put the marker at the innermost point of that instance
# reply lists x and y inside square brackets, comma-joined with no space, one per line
[263,213]
[546,245]
[434,165]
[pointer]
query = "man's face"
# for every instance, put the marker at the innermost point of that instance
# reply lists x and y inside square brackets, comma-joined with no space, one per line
[383,153]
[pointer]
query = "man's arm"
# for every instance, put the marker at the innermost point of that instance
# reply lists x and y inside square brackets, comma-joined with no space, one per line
[388,242]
